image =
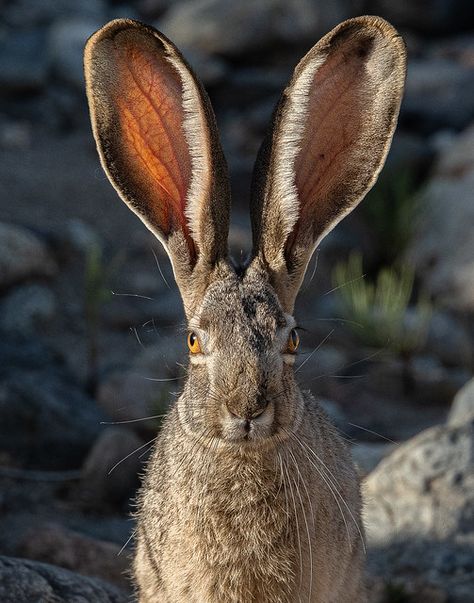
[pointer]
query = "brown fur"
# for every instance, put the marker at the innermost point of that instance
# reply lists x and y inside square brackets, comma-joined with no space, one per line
[250,495]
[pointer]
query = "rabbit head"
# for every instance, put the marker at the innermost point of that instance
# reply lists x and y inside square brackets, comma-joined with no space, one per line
[158,143]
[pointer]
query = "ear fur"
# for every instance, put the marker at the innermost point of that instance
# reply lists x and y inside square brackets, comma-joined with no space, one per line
[157,140]
[330,135]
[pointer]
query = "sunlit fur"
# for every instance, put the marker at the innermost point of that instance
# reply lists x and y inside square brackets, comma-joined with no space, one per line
[266,515]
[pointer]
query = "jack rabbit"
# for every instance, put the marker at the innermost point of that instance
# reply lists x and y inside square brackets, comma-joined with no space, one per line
[250,495]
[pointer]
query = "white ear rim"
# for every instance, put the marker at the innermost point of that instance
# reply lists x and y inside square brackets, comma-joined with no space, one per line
[195,130]
[283,187]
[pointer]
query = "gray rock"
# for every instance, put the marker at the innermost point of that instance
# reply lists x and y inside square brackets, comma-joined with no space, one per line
[443,249]
[22,255]
[23,62]
[334,412]
[66,47]
[367,455]
[204,24]
[52,543]
[23,581]
[449,340]
[439,94]
[26,308]
[443,16]
[143,393]
[433,383]
[44,12]
[424,489]
[462,409]
[47,420]
[110,471]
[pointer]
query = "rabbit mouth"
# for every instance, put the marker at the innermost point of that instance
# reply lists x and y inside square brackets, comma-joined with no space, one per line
[259,425]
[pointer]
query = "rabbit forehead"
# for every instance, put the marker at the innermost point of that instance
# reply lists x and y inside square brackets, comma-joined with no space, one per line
[244,307]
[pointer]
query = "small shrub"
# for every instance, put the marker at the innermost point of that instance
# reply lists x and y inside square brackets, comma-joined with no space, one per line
[97,281]
[377,311]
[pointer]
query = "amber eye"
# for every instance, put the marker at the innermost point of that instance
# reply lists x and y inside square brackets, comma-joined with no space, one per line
[193,343]
[293,342]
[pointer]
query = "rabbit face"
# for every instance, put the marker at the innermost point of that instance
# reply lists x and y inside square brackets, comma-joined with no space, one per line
[241,382]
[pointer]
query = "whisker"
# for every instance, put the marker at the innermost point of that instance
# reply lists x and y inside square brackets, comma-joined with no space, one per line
[132,420]
[131,454]
[373,433]
[159,268]
[132,295]
[354,280]
[314,351]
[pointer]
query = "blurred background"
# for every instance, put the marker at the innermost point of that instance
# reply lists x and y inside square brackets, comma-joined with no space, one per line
[91,325]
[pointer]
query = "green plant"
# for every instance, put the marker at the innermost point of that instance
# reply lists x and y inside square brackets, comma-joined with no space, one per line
[392,210]
[377,311]
[97,279]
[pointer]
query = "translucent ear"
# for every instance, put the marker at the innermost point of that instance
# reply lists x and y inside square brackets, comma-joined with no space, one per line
[330,136]
[158,143]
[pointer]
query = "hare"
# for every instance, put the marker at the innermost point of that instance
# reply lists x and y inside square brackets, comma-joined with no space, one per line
[250,495]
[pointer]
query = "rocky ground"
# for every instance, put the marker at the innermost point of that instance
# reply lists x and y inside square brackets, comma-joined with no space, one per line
[75,358]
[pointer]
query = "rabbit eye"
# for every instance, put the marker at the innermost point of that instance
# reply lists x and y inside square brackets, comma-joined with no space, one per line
[293,342]
[193,343]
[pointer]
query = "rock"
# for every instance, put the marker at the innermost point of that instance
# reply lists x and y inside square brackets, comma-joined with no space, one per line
[462,409]
[334,412]
[44,12]
[127,310]
[439,94]
[432,382]
[23,581]
[204,24]
[23,62]
[66,47]
[53,543]
[443,249]
[424,489]
[444,16]
[449,340]
[26,308]
[47,420]
[22,256]
[110,471]
[15,135]
[367,455]
[419,516]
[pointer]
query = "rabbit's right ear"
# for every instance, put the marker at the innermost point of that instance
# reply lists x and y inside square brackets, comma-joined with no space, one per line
[331,133]
[157,140]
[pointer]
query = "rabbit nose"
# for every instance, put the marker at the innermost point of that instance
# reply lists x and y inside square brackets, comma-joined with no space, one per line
[247,410]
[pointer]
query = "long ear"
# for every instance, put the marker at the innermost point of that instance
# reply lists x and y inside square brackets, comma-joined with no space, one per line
[329,139]
[158,143]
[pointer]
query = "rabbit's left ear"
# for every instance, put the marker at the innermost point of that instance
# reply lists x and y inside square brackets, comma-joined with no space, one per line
[330,136]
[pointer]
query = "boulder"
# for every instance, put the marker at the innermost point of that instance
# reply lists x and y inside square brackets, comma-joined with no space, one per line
[23,581]
[439,94]
[462,409]
[204,24]
[23,64]
[442,16]
[26,308]
[110,471]
[419,516]
[55,544]
[48,421]
[443,249]
[22,255]
[424,489]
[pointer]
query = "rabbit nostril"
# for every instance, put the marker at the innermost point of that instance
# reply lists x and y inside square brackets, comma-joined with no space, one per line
[258,412]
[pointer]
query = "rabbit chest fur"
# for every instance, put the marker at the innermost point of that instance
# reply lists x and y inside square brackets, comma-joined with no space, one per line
[272,526]
[250,495]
